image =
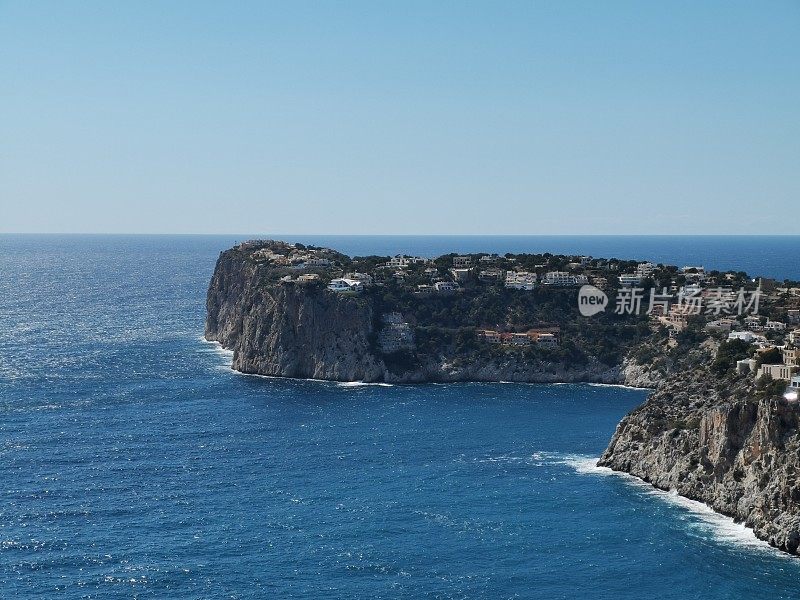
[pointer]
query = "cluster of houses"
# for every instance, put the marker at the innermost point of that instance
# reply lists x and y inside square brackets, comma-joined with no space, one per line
[692,275]
[461,271]
[643,270]
[789,369]
[303,278]
[281,254]
[547,337]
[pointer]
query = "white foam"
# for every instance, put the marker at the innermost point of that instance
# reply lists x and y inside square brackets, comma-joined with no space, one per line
[618,385]
[362,384]
[217,348]
[706,522]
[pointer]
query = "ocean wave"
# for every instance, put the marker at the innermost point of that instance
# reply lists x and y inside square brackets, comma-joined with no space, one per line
[362,384]
[706,521]
[617,385]
[216,347]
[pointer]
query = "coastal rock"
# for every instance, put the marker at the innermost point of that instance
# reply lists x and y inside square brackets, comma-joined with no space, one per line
[723,445]
[288,331]
[304,331]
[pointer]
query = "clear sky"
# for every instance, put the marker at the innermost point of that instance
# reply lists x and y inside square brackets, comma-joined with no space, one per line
[400,117]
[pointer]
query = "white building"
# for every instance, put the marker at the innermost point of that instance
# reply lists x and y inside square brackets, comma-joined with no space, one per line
[400,261]
[318,262]
[794,383]
[446,287]
[753,322]
[784,372]
[791,356]
[694,273]
[563,278]
[343,285]
[774,326]
[362,277]
[521,339]
[690,290]
[745,336]
[645,269]
[491,336]
[547,340]
[520,280]
[461,262]
[630,279]
[723,325]
[491,275]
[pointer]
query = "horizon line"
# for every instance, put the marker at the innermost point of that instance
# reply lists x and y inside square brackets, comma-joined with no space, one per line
[367,235]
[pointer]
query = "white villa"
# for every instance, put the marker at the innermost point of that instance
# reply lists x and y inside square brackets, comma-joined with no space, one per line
[362,277]
[446,287]
[723,324]
[401,261]
[563,278]
[694,273]
[461,262]
[745,336]
[774,326]
[520,280]
[317,262]
[491,275]
[645,269]
[630,279]
[343,285]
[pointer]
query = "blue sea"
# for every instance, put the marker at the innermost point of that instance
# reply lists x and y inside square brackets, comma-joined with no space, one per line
[136,464]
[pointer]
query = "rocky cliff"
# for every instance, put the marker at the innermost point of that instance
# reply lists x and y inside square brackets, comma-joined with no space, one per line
[722,442]
[304,331]
[287,330]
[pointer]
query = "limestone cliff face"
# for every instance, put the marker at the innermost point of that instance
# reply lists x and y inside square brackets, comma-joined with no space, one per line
[288,330]
[304,331]
[721,444]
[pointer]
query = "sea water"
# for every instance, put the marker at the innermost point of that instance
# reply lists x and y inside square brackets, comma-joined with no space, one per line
[136,464]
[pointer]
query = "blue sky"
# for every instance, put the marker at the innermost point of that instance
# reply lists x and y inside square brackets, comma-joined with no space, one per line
[400,117]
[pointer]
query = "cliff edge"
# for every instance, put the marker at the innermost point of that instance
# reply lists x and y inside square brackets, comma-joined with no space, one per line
[724,442]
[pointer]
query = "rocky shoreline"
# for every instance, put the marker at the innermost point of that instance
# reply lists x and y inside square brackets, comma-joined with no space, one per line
[728,447]
[719,441]
[293,331]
